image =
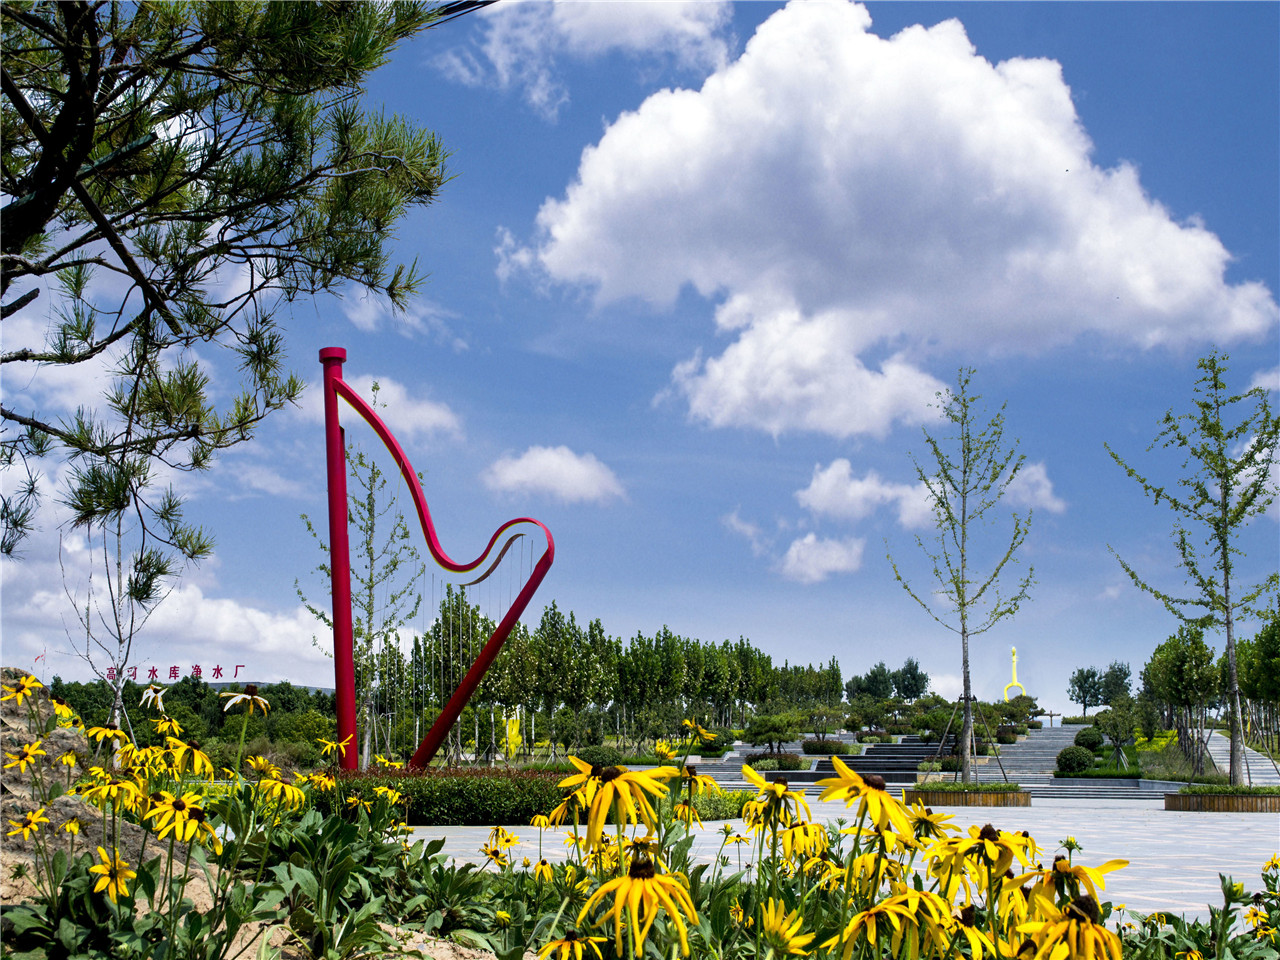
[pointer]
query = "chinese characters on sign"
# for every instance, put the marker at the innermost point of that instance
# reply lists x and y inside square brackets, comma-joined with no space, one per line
[175,672]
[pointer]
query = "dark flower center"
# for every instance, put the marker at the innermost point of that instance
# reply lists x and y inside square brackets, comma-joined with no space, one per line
[196,814]
[251,690]
[874,781]
[641,869]
[690,772]
[609,773]
[1085,907]
[967,916]
[179,805]
[989,833]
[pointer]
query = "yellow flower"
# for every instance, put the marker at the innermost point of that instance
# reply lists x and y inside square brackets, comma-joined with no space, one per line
[502,919]
[618,789]
[114,874]
[61,708]
[542,871]
[642,893]
[1272,864]
[285,793]
[167,726]
[29,824]
[873,800]
[687,814]
[926,824]
[775,804]
[571,946]
[500,837]
[26,687]
[189,754]
[697,782]
[121,793]
[107,732]
[395,796]
[878,918]
[25,756]
[1066,878]
[782,930]
[67,759]
[495,853]
[330,748]
[355,803]
[1078,929]
[662,750]
[699,732]
[386,764]
[72,826]
[181,816]
[262,767]
[249,698]
[804,840]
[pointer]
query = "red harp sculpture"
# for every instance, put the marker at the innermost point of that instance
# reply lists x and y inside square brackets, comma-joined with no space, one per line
[332,359]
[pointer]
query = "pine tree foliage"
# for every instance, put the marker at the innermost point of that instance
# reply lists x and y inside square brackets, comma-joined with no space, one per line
[174,174]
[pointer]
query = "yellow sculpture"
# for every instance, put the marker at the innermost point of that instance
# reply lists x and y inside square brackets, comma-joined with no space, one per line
[1014,682]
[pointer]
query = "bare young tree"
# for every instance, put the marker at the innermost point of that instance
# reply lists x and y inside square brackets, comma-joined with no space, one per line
[1229,443]
[969,471]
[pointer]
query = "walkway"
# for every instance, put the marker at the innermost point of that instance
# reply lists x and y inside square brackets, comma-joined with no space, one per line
[1174,858]
[1259,770]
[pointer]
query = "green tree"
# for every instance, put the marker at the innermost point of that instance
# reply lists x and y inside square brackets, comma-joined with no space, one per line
[1115,681]
[1182,674]
[1228,443]
[212,160]
[909,681]
[1085,688]
[386,576]
[878,682]
[970,469]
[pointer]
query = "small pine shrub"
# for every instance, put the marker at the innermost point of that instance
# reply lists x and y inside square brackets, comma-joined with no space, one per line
[825,748]
[1006,737]
[1090,738]
[1075,759]
[785,761]
[874,736]
[1035,724]
[601,755]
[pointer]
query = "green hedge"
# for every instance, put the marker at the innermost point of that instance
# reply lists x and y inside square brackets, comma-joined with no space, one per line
[949,786]
[825,748]
[464,796]
[1133,774]
[1074,760]
[1234,791]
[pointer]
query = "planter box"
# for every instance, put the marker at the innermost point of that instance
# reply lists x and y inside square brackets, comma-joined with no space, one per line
[948,798]
[1223,802]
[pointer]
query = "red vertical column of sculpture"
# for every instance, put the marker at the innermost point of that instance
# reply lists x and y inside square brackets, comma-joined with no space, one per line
[344,673]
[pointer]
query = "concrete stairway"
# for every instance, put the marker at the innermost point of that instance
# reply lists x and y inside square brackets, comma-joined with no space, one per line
[1031,762]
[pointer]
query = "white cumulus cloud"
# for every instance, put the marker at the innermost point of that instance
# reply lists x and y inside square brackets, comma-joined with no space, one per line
[1033,488]
[522,42]
[557,471]
[835,492]
[411,419]
[812,559]
[853,202]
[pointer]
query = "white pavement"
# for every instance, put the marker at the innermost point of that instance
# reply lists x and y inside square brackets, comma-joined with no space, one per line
[1174,857]
[1259,770]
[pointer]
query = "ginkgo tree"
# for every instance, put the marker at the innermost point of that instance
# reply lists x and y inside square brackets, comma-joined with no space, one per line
[967,473]
[1228,445]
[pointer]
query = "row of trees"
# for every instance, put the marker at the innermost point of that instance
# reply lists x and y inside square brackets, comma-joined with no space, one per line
[1092,687]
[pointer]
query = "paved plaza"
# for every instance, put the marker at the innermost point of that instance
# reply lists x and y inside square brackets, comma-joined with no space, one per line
[1174,857]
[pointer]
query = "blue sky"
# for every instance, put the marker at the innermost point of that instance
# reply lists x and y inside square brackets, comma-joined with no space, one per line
[696,279]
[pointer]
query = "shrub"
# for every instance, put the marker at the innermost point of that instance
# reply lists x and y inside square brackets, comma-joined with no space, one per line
[785,761]
[1006,737]
[602,756]
[959,787]
[1075,759]
[1228,789]
[1090,738]
[825,748]
[950,764]
[466,796]
[1035,724]
[873,736]
[900,729]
